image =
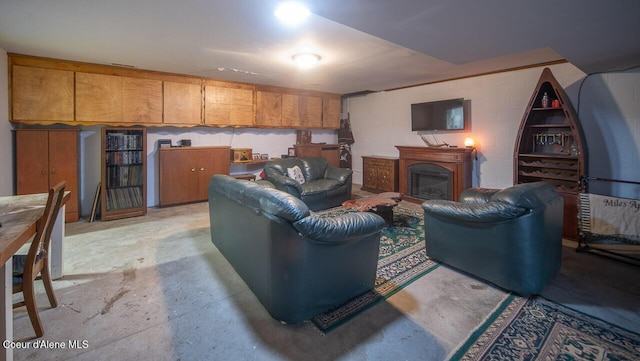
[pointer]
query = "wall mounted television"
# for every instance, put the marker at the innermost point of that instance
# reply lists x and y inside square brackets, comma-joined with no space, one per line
[442,115]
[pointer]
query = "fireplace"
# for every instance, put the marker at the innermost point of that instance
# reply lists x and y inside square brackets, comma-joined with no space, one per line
[433,173]
[429,181]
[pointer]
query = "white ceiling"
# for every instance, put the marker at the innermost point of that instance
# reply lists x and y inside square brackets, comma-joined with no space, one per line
[366,45]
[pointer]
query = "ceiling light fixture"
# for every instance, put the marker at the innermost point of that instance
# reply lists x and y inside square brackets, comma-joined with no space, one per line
[306,60]
[292,13]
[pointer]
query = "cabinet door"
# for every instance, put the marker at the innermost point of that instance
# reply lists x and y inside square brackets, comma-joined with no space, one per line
[228,106]
[268,109]
[210,162]
[331,113]
[178,177]
[370,176]
[117,99]
[312,110]
[63,166]
[32,161]
[182,103]
[301,111]
[290,110]
[41,94]
[141,101]
[385,179]
[98,98]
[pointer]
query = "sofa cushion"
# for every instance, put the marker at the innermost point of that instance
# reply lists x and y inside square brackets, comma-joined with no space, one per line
[527,195]
[313,168]
[482,213]
[295,173]
[269,200]
[318,186]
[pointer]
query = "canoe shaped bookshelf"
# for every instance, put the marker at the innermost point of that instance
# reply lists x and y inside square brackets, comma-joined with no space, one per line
[550,146]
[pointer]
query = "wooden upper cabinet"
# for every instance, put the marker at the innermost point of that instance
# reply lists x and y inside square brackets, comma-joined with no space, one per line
[98,98]
[117,99]
[41,94]
[48,91]
[301,111]
[268,109]
[228,104]
[182,103]
[331,112]
[142,102]
[313,111]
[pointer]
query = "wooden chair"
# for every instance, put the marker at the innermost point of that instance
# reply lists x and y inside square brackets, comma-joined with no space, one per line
[26,267]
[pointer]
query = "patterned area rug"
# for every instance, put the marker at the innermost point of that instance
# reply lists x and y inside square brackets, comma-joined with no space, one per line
[539,329]
[402,260]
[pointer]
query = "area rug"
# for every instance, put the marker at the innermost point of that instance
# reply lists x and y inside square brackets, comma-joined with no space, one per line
[402,260]
[538,329]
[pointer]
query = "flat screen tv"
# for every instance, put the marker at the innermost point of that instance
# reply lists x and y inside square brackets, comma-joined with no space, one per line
[442,115]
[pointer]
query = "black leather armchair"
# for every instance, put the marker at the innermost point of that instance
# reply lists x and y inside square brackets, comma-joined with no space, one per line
[510,237]
[325,186]
[297,264]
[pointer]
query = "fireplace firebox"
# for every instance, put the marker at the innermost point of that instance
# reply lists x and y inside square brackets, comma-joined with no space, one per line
[433,173]
[429,181]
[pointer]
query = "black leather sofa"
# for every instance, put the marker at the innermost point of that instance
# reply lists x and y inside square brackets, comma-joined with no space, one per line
[510,237]
[297,264]
[325,186]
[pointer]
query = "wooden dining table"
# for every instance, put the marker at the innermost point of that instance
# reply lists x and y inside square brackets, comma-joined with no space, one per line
[18,218]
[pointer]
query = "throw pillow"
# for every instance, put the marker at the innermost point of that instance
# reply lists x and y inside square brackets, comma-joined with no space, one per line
[296,174]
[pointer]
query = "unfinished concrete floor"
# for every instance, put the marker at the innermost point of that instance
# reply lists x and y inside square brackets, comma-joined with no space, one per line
[155,288]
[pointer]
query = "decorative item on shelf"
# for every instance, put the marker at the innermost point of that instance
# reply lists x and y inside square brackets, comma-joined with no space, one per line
[545,100]
[303,137]
[241,155]
[184,142]
[469,142]
[548,142]
[291,152]
[555,103]
[264,156]
[164,143]
[256,156]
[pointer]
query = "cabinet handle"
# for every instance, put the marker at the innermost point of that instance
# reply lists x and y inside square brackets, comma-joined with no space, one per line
[202,169]
[43,171]
[193,169]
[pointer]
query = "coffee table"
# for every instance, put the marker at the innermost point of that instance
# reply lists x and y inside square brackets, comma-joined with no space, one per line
[381,204]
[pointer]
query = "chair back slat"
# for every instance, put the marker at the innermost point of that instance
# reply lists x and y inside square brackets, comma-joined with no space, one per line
[44,228]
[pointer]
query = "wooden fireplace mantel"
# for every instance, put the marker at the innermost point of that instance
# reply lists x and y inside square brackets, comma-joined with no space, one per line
[457,160]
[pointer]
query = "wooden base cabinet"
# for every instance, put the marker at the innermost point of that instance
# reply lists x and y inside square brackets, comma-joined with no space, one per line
[330,152]
[185,172]
[379,174]
[45,158]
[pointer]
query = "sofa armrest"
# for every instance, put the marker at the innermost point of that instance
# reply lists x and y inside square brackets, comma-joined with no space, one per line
[479,213]
[342,175]
[283,181]
[340,229]
[477,195]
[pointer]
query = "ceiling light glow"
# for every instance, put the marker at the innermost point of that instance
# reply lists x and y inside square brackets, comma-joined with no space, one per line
[306,60]
[292,13]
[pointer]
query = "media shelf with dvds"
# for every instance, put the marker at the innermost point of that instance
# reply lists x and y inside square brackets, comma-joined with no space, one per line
[124,173]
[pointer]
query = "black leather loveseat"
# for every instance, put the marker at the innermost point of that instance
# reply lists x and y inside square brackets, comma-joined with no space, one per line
[324,186]
[511,237]
[297,264]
